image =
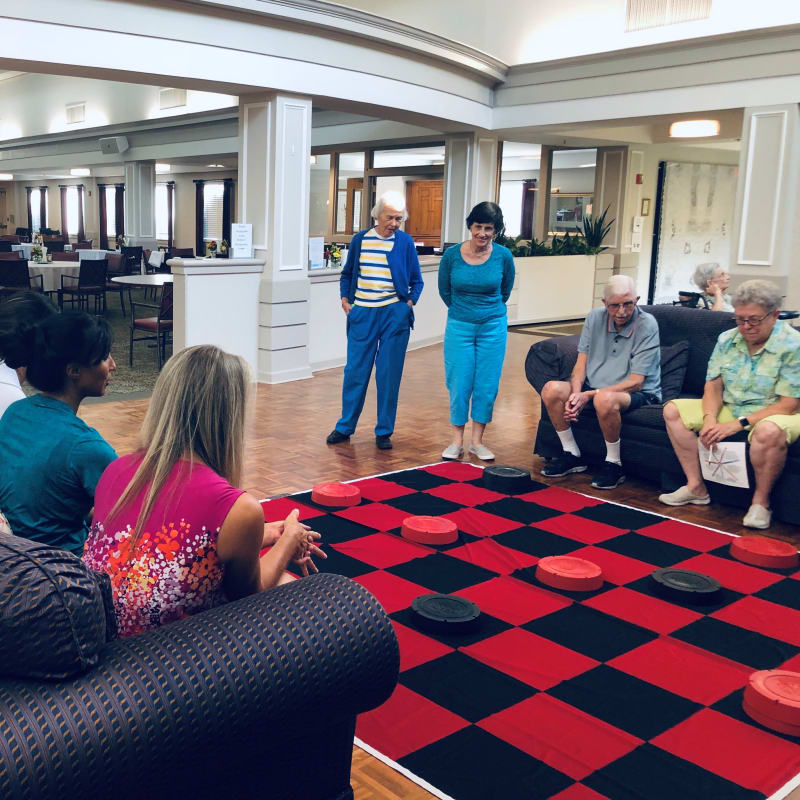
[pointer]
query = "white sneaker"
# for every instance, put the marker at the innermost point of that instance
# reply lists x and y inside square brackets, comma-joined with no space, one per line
[482,452]
[453,452]
[757,517]
[683,497]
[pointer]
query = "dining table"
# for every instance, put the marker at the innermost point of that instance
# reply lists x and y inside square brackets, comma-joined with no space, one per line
[51,273]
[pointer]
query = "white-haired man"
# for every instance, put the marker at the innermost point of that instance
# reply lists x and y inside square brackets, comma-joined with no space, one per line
[379,286]
[618,370]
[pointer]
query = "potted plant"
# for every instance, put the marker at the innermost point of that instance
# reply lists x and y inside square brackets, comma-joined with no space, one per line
[594,230]
[211,248]
[223,248]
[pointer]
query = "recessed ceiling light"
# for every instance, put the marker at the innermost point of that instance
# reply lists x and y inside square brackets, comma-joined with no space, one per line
[694,128]
[217,166]
[162,168]
[582,166]
[6,176]
[80,172]
[313,160]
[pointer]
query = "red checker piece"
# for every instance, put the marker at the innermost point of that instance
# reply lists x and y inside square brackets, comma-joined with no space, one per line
[770,722]
[764,552]
[774,694]
[569,573]
[429,530]
[336,495]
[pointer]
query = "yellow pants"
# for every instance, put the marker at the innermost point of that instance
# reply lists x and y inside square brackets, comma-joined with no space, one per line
[691,412]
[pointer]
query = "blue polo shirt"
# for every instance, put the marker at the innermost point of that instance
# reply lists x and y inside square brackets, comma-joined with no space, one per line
[612,355]
[50,462]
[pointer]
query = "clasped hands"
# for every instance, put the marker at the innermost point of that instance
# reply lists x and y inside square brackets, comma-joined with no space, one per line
[300,537]
[574,405]
[714,432]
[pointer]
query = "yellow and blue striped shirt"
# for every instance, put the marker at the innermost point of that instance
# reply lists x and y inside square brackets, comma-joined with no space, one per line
[375,286]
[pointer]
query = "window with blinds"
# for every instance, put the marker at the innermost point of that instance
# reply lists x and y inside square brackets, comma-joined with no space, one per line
[642,14]
[212,210]
[111,212]
[37,222]
[72,209]
[162,216]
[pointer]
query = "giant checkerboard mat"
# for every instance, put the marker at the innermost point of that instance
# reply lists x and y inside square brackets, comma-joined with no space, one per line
[612,694]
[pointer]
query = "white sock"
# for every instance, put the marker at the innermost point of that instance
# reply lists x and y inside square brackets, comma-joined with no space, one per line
[612,452]
[568,442]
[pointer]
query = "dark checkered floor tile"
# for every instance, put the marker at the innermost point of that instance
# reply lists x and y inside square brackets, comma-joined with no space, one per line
[442,573]
[424,504]
[518,510]
[785,593]
[335,530]
[418,479]
[645,548]
[537,542]
[619,516]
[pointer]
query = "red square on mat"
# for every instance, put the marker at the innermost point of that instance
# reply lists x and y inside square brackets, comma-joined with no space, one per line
[735,750]
[616,567]
[416,648]
[567,739]
[793,664]
[578,792]
[641,609]
[382,550]
[375,515]
[481,523]
[465,493]
[685,535]
[280,508]
[512,600]
[458,471]
[761,616]
[684,669]
[493,555]
[583,530]
[406,722]
[731,574]
[393,593]
[560,499]
[530,658]
[377,490]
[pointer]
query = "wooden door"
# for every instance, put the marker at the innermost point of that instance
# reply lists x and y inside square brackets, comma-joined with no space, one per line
[424,204]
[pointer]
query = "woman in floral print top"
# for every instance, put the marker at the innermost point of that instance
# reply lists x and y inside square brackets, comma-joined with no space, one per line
[170,528]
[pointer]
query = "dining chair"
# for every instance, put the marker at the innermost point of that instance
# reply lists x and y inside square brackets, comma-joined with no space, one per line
[133,255]
[180,252]
[5,247]
[118,265]
[65,256]
[158,327]
[15,277]
[13,256]
[91,282]
[85,245]
[10,237]
[55,245]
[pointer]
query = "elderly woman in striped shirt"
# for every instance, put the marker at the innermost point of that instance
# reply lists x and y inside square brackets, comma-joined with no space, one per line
[379,286]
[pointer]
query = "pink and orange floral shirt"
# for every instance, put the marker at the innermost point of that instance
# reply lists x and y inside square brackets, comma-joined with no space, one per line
[174,570]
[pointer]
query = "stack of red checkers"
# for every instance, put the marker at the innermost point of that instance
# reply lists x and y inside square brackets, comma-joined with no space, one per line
[429,530]
[772,698]
[764,552]
[569,573]
[336,495]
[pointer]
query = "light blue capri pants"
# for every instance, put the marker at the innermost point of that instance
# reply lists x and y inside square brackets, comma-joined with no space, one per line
[473,362]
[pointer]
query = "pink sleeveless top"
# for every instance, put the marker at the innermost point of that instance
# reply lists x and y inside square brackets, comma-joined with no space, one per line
[174,570]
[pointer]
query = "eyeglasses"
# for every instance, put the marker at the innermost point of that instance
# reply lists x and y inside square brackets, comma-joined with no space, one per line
[627,305]
[751,322]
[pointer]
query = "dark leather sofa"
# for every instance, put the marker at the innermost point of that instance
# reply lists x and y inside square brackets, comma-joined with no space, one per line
[254,699]
[646,450]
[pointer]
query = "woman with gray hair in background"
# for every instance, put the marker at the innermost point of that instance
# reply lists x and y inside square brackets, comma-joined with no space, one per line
[752,384]
[713,281]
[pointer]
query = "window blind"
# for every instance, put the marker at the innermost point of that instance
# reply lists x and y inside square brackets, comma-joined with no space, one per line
[212,210]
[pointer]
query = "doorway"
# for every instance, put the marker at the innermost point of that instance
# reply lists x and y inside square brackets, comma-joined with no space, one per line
[424,204]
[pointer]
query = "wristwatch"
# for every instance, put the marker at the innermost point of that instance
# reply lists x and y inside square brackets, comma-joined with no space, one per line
[743,421]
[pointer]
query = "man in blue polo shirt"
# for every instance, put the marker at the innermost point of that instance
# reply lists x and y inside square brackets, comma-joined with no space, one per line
[618,370]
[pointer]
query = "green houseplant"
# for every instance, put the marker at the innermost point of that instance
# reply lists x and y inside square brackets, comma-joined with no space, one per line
[594,230]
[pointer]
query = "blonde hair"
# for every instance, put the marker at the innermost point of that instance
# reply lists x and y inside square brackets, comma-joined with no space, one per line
[198,412]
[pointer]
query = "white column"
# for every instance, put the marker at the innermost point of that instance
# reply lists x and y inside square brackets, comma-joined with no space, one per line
[274,164]
[140,203]
[542,218]
[766,229]
[472,174]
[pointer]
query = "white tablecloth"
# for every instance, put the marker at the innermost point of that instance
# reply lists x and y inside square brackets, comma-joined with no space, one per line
[51,273]
[95,255]
[25,248]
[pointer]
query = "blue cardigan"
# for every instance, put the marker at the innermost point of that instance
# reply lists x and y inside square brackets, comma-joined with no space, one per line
[403,264]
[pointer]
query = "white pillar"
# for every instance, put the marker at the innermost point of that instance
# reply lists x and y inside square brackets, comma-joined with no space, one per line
[140,203]
[472,174]
[542,227]
[766,229]
[274,179]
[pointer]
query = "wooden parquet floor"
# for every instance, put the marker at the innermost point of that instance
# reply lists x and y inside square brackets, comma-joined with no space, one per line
[287,452]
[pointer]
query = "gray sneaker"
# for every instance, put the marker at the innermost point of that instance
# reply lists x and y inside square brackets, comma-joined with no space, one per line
[564,465]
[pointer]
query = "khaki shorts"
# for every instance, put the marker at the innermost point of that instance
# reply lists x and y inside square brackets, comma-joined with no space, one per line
[691,412]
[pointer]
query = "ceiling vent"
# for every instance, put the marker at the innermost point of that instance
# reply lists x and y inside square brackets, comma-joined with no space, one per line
[76,112]
[643,14]
[171,98]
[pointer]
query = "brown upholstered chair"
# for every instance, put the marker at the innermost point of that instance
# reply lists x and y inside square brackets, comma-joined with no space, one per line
[157,327]
[180,252]
[90,282]
[87,245]
[15,277]
[65,256]
[13,256]
[10,237]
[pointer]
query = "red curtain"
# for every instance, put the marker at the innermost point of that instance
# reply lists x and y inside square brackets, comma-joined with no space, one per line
[170,222]
[64,231]
[81,231]
[42,207]
[199,244]
[101,207]
[28,190]
[119,209]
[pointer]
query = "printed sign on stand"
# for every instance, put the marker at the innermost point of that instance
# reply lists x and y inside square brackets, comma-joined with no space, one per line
[241,240]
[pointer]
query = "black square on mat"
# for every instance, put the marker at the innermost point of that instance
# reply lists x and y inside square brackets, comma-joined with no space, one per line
[784,593]
[647,549]
[619,516]
[528,574]
[648,586]
[589,631]
[422,504]
[336,530]
[521,511]
[339,564]
[471,764]
[656,774]
[487,626]
[465,686]
[624,701]
[747,647]
[732,707]
[524,488]
[442,573]
[536,542]
[417,479]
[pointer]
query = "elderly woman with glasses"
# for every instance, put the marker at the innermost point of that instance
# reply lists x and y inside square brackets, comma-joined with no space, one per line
[752,384]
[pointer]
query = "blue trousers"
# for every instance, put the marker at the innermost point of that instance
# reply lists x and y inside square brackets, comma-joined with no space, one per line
[376,336]
[473,363]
